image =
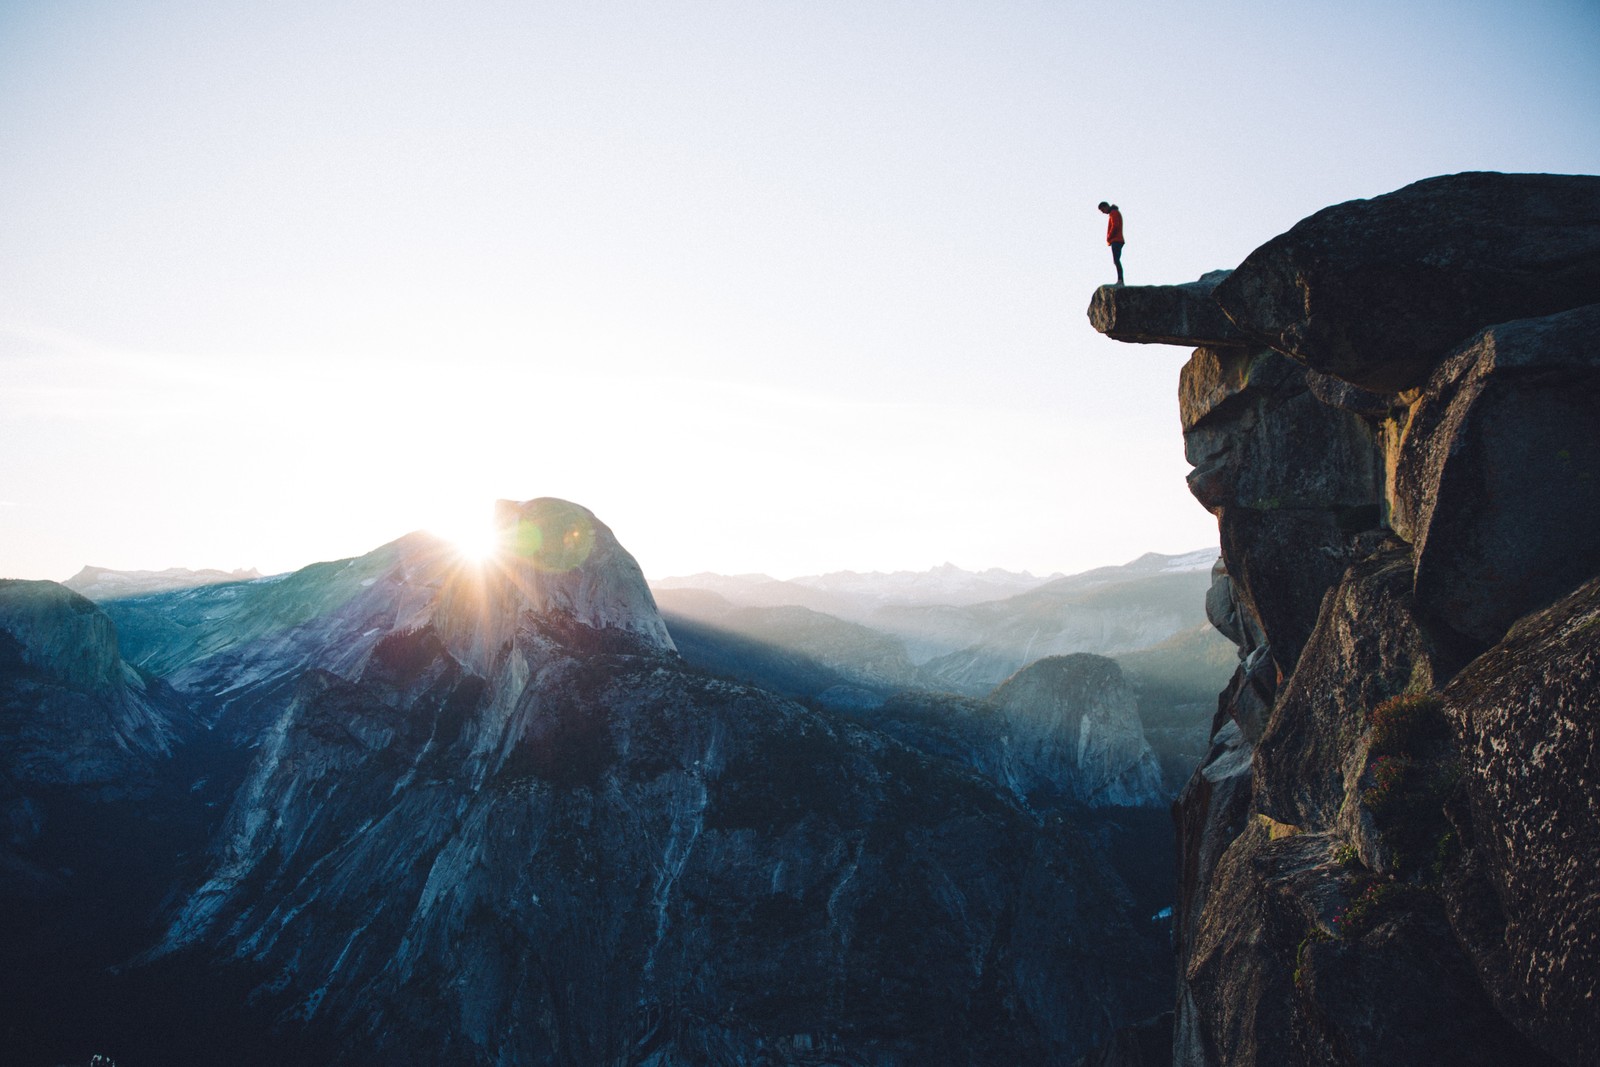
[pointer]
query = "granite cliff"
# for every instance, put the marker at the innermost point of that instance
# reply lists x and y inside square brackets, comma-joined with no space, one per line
[401,809]
[1393,410]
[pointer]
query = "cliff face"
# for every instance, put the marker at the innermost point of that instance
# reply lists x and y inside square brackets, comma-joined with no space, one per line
[85,744]
[1072,721]
[593,856]
[73,714]
[486,815]
[1387,854]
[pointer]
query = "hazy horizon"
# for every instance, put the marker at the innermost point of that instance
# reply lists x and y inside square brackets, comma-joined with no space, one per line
[653,577]
[784,287]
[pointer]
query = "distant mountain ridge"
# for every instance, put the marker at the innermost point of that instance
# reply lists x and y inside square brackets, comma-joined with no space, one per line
[951,638]
[104,583]
[944,584]
[850,594]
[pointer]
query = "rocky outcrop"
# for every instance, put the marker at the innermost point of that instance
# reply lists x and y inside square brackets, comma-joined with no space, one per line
[72,712]
[1071,725]
[1165,314]
[1376,292]
[1402,451]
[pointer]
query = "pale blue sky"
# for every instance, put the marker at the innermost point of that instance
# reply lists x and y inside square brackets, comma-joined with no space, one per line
[768,286]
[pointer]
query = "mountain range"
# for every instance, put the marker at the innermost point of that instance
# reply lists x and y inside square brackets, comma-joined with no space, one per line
[897,635]
[401,808]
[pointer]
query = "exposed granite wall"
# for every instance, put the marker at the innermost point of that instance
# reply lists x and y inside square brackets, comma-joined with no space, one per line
[1387,855]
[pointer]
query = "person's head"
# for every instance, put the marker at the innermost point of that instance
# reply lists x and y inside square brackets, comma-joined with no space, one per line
[1105,207]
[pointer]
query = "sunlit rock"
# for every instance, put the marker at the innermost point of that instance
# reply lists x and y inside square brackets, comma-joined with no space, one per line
[564,559]
[247,642]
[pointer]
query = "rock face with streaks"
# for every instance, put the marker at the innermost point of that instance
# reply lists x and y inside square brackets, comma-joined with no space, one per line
[1381,855]
[622,862]
[1071,725]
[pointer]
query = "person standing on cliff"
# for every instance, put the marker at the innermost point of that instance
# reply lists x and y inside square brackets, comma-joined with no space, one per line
[1114,235]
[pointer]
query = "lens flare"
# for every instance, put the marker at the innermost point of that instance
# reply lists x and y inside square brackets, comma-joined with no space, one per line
[558,540]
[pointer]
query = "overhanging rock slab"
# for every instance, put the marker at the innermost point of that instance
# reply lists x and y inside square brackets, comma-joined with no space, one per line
[1183,315]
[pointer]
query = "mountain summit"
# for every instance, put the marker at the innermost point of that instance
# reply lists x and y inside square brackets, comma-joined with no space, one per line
[562,558]
[552,556]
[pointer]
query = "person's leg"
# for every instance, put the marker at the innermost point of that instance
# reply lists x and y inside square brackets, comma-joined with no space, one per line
[1116,257]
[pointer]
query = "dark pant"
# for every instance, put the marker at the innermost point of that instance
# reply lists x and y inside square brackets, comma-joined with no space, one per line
[1116,257]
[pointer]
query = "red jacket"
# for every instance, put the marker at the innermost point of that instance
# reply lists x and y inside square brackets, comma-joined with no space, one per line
[1114,228]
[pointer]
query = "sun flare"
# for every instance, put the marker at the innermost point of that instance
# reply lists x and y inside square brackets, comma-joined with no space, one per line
[473,542]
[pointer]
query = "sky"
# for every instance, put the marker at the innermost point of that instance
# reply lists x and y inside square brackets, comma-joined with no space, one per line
[778,286]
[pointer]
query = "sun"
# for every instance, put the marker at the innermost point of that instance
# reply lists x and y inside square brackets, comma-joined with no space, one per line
[473,541]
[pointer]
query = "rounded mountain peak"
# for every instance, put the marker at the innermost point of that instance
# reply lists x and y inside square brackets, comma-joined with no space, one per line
[558,556]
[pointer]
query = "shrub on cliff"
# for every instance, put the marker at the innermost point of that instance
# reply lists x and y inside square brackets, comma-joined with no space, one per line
[1403,725]
[1412,770]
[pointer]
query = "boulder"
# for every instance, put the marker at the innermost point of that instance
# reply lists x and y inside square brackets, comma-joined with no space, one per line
[1497,479]
[1250,693]
[1237,979]
[1527,904]
[1259,438]
[1282,971]
[1378,291]
[1367,647]
[1224,614]
[1338,393]
[1165,314]
[1399,991]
